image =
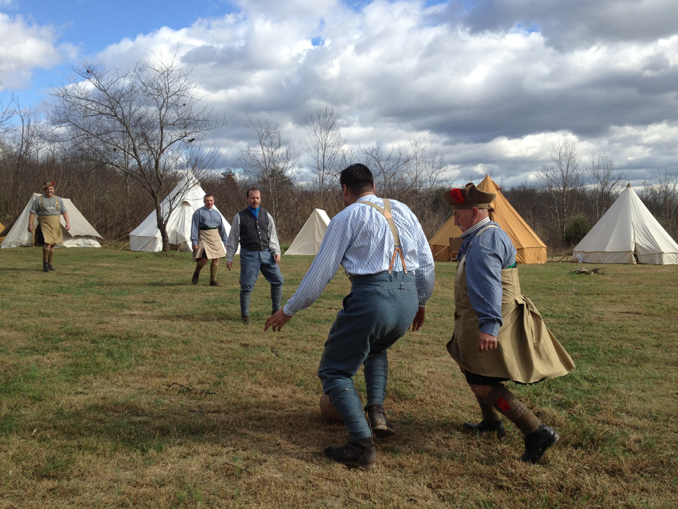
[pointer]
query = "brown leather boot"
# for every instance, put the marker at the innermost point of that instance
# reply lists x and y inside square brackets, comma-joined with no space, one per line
[381,426]
[196,278]
[355,454]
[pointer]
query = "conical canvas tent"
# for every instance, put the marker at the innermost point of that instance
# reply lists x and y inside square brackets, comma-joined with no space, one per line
[308,240]
[627,233]
[81,234]
[186,198]
[529,247]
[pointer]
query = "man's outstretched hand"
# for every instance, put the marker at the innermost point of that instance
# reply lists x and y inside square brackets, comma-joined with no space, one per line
[418,321]
[277,320]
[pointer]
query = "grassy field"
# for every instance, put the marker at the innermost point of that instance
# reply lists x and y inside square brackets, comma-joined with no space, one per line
[121,385]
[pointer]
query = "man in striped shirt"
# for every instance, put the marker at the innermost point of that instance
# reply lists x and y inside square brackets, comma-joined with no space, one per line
[384,251]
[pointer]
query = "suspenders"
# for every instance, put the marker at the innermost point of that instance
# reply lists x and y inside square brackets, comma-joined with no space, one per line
[42,207]
[386,211]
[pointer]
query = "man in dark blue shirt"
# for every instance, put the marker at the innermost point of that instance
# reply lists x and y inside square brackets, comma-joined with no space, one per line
[253,228]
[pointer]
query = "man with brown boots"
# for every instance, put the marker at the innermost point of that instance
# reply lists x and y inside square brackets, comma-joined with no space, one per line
[208,235]
[48,208]
[385,254]
[498,335]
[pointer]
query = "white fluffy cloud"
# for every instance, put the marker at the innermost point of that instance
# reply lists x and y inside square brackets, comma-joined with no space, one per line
[490,88]
[23,48]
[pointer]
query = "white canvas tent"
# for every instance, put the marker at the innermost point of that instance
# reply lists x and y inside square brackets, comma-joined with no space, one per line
[627,233]
[187,197]
[308,240]
[81,234]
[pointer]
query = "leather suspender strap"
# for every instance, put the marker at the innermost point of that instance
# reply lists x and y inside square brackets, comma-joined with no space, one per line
[42,207]
[386,211]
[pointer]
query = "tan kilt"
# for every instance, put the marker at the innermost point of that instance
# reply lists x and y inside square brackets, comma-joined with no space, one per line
[527,351]
[48,231]
[210,245]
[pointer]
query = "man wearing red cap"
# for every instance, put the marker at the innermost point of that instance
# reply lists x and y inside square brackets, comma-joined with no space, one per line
[498,335]
[48,208]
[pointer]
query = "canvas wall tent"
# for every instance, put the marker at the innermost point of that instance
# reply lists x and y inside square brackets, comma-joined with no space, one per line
[187,197]
[627,233]
[308,240]
[81,234]
[529,247]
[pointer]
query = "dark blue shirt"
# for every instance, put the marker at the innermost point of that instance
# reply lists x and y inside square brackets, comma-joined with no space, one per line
[486,255]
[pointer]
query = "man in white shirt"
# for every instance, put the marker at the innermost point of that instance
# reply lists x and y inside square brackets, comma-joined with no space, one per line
[385,253]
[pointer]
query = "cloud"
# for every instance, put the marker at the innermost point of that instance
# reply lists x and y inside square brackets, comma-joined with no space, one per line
[490,88]
[571,23]
[24,47]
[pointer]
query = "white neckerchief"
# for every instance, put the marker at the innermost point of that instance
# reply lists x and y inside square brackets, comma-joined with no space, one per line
[475,227]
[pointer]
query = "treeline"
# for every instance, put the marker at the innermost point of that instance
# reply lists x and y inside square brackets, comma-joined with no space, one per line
[116,204]
[117,166]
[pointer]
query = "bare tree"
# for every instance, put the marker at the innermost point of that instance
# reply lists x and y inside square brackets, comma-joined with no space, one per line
[20,149]
[661,196]
[270,162]
[140,122]
[389,168]
[325,150]
[562,180]
[606,186]
[425,168]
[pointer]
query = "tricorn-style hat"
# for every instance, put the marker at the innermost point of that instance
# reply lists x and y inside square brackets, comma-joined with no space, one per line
[48,184]
[469,197]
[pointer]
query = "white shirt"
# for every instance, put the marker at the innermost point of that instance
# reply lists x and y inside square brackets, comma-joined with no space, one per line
[360,239]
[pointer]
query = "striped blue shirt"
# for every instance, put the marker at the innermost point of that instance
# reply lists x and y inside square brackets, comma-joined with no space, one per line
[360,239]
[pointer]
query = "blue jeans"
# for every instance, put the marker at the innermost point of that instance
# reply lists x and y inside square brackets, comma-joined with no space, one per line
[376,314]
[251,262]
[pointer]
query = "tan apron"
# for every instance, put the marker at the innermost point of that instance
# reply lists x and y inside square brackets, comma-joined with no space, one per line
[209,243]
[49,230]
[526,350]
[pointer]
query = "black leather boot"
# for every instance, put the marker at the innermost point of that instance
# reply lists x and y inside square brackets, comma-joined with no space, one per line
[356,453]
[536,443]
[486,427]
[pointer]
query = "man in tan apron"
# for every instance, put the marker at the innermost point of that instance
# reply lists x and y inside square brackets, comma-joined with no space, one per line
[498,333]
[208,235]
[49,209]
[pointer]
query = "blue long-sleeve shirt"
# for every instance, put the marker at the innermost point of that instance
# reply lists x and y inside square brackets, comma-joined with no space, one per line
[360,239]
[207,218]
[486,256]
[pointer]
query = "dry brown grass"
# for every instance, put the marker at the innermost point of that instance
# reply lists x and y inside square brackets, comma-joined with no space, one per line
[131,388]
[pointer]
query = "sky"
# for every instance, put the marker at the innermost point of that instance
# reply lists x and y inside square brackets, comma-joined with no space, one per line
[490,85]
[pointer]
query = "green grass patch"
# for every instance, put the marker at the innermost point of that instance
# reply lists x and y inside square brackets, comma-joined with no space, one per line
[123,385]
